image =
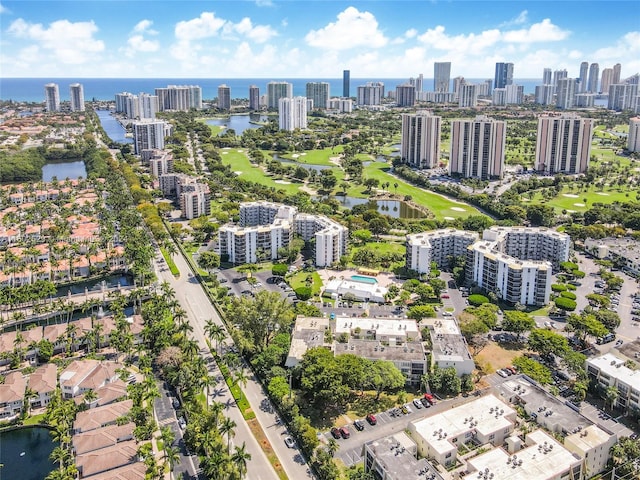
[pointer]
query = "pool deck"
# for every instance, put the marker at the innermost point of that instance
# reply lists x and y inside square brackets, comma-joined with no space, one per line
[384,279]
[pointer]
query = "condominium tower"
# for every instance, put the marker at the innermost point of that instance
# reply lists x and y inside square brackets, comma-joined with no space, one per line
[319,93]
[405,95]
[617,70]
[584,68]
[292,113]
[565,93]
[346,80]
[633,141]
[594,73]
[254,98]
[468,95]
[76,95]
[52,97]
[606,80]
[420,144]
[224,97]
[149,134]
[276,91]
[179,97]
[478,148]
[546,76]
[371,93]
[441,76]
[504,75]
[563,144]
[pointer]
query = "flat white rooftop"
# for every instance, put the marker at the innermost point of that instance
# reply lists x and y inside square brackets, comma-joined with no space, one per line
[590,437]
[382,326]
[614,367]
[542,459]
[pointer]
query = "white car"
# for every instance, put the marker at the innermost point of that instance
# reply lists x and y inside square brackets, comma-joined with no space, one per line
[408,407]
[289,442]
[502,373]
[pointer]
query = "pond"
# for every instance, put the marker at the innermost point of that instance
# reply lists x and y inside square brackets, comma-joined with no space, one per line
[392,208]
[115,131]
[308,166]
[63,170]
[24,453]
[239,123]
[96,285]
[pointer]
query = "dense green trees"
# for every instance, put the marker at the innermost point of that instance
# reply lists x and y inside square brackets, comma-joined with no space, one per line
[517,322]
[443,380]
[535,370]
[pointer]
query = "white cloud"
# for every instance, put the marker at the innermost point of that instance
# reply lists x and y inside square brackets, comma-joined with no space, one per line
[4,9]
[544,31]
[519,20]
[206,25]
[411,33]
[353,29]
[69,42]
[257,33]
[264,3]
[144,26]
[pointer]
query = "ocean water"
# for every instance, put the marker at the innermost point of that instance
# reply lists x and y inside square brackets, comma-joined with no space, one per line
[32,89]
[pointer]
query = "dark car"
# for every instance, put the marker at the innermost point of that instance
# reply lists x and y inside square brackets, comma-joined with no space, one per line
[344,431]
[371,418]
[359,425]
[425,402]
[336,433]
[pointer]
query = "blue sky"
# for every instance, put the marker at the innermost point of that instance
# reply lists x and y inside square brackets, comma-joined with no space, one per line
[296,38]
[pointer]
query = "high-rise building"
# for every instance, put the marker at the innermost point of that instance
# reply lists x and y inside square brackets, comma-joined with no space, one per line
[633,141]
[504,74]
[405,95]
[149,135]
[224,97]
[254,98]
[617,70]
[468,95]
[509,95]
[559,75]
[544,94]
[52,97]
[486,88]
[607,80]
[276,91]
[563,144]
[195,200]
[594,73]
[346,82]
[584,100]
[292,113]
[438,246]
[546,76]
[147,106]
[584,68]
[441,76]
[420,144]
[371,93]
[76,94]
[320,94]
[622,96]
[420,83]
[565,93]
[179,97]
[457,83]
[478,148]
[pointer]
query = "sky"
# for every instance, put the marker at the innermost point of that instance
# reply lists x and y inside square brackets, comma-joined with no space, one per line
[312,38]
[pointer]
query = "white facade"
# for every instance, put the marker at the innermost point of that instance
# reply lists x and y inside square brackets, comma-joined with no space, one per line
[544,94]
[436,246]
[195,201]
[565,93]
[150,134]
[441,76]
[420,144]
[330,237]
[292,113]
[254,97]
[224,97]
[52,97]
[276,91]
[179,97]
[563,144]
[76,95]
[342,105]
[478,148]
[592,445]
[245,244]
[147,106]
[264,213]
[319,92]
[370,94]
[12,395]
[468,95]
[622,96]
[610,371]
[633,141]
[449,347]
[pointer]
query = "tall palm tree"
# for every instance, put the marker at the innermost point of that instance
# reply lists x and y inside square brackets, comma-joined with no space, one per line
[240,458]
[611,396]
[227,427]
[240,377]
[172,456]
[214,331]
[332,446]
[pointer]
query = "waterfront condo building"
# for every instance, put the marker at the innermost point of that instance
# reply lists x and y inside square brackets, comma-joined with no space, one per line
[76,95]
[509,95]
[441,76]
[633,141]
[147,106]
[371,93]
[292,113]
[276,91]
[254,97]
[150,134]
[594,73]
[477,148]
[607,80]
[559,75]
[623,96]
[52,97]
[563,144]
[437,246]
[547,76]
[179,97]
[224,97]
[504,74]
[405,95]
[584,68]
[420,144]
[565,93]
[319,93]
[544,94]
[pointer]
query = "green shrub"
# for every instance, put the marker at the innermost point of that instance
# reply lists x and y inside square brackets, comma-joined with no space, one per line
[566,304]
[476,299]
[279,269]
[571,287]
[303,293]
[570,295]
[558,287]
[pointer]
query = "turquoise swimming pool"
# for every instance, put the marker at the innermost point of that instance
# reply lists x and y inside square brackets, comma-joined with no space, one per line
[363,279]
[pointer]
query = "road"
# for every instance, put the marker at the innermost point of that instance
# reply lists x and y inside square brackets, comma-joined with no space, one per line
[195,302]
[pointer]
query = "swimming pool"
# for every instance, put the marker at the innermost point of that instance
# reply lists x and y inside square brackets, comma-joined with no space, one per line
[363,279]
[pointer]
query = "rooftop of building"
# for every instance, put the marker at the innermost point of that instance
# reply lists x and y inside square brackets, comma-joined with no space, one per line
[44,379]
[449,347]
[625,247]
[490,251]
[543,458]
[375,350]
[12,390]
[589,437]
[132,471]
[486,415]
[102,437]
[107,458]
[380,325]
[423,237]
[396,454]
[99,416]
[613,366]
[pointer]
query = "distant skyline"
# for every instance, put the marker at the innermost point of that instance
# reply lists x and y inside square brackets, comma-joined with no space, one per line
[312,39]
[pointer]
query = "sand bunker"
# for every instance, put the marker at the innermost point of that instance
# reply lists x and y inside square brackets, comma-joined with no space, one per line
[224,153]
[458,209]
[602,193]
[303,154]
[239,172]
[571,211]
[295,155]
[449,218]
[579,204]
[570,195]
[282,182]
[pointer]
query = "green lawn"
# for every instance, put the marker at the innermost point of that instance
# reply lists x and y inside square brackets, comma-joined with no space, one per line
[383,247]
[299,279]
[592,195]
[314,157]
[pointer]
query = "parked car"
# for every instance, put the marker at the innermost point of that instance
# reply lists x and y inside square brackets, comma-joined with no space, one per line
[445,295]
[359,425]
[371,418]
[430,398]
[335,432]
[182,423]
[502,373]
[425,402]
[417,403]
[344,431]
[408,407]
[288,441]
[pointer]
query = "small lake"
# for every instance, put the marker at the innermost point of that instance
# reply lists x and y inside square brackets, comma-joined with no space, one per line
[36,444]
[239,123]
[115,131]
[392,208]
[63,170]
[89,286]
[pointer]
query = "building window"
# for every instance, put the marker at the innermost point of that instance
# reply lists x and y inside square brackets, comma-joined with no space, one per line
[492,436]
[447,455]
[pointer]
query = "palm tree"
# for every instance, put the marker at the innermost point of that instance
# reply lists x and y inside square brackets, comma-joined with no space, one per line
[167,435]
[332,446]
[172,456]
[611,395]
[580,388]
[227,427]
[240,377]
[90,396]
[214,331]
[240,458]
